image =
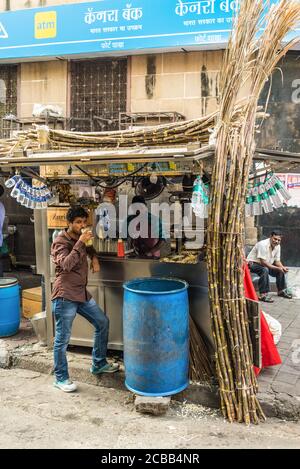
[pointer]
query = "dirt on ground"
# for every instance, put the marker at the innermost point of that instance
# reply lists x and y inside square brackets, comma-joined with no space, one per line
[34,414]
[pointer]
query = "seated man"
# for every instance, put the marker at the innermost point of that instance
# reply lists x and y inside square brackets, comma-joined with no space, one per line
[264,260]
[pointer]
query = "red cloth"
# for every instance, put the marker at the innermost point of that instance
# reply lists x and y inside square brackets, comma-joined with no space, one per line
[270,355]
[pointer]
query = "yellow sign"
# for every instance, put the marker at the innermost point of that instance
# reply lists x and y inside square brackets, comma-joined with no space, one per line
[45,25]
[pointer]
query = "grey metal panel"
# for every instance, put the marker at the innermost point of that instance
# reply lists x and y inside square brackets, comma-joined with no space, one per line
[39,219]
[107,289]
[114,311]
[114,272]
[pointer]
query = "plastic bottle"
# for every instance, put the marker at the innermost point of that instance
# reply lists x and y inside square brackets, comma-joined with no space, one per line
[121,249]
[12,181]
[16,190]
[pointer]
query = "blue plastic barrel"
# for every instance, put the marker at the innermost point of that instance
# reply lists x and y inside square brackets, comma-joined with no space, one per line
[9,306]
[156,336]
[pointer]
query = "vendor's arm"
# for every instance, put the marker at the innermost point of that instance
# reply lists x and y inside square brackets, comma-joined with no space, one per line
[281,266]
[158,245]
[161,234]
[264,263]
[64,258]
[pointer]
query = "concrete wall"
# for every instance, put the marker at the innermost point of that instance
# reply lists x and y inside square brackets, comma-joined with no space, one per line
[186,82]
[281,130]
[44,83]
[183,82]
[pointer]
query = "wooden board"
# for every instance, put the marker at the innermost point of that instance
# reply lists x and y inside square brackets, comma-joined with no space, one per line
[56,217]
[253,310]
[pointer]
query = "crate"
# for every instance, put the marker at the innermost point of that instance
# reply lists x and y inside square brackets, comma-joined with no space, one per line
[31,302]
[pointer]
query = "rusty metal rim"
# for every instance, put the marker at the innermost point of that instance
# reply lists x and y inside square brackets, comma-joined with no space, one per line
[129,286]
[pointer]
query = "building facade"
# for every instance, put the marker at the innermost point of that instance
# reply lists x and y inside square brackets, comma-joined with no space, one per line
[173,68]
[184,82]
[171,77]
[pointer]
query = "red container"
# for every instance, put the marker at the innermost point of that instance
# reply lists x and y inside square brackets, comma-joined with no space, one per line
[121,249]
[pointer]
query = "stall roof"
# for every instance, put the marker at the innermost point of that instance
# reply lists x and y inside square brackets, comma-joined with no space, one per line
[190,152]
[124,155]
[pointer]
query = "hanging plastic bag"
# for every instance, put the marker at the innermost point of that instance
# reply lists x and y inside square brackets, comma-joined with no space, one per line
[200,198]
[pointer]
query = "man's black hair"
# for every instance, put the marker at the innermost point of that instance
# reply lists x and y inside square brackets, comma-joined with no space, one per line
[276,233]
[1,190]
[76,212]
[138,199]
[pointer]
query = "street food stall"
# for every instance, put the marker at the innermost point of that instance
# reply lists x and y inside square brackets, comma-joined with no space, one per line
[66,170]
[82,171]
[73,177]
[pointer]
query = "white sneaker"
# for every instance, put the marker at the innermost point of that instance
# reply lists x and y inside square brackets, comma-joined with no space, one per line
[66,386]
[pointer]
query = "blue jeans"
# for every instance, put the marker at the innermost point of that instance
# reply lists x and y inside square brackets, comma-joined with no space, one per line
[64,312]
[264,281]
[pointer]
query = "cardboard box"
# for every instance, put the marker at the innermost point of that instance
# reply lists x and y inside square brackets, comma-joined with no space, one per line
[56,217]
[31,302]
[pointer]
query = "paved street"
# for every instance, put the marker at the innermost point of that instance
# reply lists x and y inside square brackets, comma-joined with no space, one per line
[33,414]
[286,377]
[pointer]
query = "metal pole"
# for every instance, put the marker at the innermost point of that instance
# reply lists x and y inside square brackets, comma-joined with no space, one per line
[46,262]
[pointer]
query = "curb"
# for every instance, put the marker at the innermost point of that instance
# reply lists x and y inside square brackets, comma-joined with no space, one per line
[279,405]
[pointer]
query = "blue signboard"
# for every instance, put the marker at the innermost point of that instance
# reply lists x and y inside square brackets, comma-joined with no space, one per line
[110,26]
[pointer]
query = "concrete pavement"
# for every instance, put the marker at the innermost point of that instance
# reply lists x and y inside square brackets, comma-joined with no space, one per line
[279,387]
[34,415]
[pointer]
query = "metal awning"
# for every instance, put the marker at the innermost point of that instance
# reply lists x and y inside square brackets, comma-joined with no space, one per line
[190,152]
[106,157]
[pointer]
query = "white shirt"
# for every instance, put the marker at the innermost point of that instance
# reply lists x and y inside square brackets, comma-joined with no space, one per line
[263,250]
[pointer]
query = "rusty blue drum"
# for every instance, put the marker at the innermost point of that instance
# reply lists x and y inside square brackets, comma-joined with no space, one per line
[9,306]
[156,336]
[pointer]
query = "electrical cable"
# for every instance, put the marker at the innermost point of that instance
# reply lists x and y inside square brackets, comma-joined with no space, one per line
[34,175]
[98,180]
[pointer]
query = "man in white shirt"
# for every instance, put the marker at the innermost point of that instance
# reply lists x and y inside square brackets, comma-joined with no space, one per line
[264,260]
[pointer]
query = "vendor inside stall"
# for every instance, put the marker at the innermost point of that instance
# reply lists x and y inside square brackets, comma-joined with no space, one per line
[144,230]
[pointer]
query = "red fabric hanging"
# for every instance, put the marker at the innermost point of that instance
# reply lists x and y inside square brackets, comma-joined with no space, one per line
[270,355]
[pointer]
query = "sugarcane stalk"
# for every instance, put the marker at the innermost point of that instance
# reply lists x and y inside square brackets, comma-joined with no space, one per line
[253,58]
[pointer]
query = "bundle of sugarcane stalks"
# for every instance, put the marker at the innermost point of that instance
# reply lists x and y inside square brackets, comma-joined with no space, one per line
[179,133]
[249,58]
[201,368]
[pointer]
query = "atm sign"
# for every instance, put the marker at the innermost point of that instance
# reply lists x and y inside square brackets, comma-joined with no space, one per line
[45,25]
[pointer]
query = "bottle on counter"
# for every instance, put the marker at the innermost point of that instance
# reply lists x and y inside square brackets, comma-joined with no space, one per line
[121,249]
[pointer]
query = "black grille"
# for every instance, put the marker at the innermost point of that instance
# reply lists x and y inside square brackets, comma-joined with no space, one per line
[98,94]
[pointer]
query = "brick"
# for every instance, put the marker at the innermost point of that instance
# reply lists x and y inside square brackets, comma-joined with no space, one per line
[152,405]
[4,358]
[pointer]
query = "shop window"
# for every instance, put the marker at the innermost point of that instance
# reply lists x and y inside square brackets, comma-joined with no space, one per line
[8,96]
[98,94]
[2,92]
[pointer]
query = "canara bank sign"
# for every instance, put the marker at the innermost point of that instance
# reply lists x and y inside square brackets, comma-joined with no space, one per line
[109,26]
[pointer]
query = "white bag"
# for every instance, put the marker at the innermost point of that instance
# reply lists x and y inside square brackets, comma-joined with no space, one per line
[274,326]
[293,282]
[48,110]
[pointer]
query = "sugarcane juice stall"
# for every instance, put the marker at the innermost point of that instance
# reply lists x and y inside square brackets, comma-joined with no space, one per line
[130,164]
[91,178]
